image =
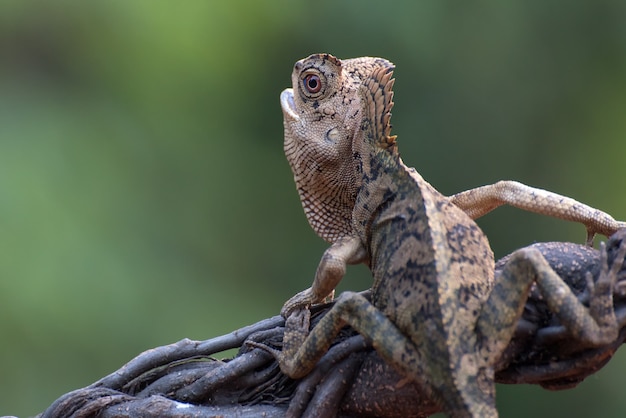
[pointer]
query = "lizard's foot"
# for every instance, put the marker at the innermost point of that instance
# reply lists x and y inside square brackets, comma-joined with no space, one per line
[593,229]
[601,291]
[302,300]
[591,234]
[615,248]
[274,352]
[296,331]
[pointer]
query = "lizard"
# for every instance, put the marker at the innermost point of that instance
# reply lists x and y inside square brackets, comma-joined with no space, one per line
[436,313]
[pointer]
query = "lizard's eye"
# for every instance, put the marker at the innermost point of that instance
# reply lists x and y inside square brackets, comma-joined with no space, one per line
[312,83]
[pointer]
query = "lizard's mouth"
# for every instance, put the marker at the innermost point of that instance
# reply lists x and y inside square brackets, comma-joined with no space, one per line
[288,104]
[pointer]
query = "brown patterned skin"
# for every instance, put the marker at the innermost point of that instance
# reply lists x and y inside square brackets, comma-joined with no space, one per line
[436,312]
[482,200]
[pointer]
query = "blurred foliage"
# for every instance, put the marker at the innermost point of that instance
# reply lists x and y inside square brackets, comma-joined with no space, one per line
[144,196]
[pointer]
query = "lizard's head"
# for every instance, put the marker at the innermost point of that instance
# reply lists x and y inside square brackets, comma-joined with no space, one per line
[323,113]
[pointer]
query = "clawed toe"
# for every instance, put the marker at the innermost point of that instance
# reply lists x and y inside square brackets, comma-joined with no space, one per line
[602,289]
[303,299]
[616,251]
[274,352]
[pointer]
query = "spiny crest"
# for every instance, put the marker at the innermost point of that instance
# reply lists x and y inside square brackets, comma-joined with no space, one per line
[324,58]
[331,58]
[377,93]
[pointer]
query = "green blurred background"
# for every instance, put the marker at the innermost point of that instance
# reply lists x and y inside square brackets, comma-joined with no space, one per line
[144,196]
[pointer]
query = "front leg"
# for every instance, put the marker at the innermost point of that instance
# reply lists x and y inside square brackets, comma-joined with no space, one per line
[482,200]
[330,271]
[593,326]
[302,351]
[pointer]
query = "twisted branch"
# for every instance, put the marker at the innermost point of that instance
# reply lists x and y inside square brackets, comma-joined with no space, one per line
[184,379]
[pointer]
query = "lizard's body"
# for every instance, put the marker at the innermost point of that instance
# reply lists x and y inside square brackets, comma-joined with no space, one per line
[436,312]
[410,245]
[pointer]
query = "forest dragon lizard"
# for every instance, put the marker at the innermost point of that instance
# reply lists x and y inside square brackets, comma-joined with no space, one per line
[436,312]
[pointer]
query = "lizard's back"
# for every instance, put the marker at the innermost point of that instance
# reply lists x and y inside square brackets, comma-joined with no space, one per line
[433,270]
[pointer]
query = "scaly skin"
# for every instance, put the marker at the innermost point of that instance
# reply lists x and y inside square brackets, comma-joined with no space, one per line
[436,312]
[482,200]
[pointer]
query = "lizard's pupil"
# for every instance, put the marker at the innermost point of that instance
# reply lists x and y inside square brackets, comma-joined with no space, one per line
[312,83]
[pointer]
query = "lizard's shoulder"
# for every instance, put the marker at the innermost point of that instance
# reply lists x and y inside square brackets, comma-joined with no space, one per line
[458,241]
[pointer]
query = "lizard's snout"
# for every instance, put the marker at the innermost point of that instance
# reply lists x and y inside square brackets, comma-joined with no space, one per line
[288,104]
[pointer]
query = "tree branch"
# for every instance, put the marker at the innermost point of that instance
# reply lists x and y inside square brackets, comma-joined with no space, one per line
[183,379]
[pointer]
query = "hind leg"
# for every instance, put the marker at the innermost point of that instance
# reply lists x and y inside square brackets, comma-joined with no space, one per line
[594,326]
